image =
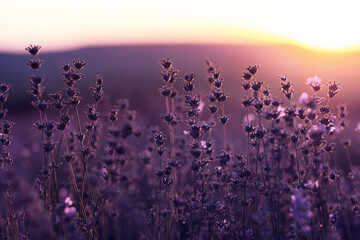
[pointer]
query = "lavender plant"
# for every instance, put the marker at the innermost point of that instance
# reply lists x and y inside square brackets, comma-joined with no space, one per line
[277,175]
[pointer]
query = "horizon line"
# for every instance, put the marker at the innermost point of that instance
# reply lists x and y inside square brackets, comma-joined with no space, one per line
[286,43]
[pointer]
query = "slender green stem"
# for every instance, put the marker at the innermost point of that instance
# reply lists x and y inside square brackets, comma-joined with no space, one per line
[297,161]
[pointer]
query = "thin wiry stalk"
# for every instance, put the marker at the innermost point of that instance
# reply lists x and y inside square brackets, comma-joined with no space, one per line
[74,184]
[297,161]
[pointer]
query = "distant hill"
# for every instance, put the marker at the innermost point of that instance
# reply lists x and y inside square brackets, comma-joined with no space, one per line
[133,71]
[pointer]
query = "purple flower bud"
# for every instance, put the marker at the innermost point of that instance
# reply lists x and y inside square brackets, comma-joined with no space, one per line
[33,49]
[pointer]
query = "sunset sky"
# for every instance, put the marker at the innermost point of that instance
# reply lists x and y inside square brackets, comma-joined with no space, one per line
[59,25]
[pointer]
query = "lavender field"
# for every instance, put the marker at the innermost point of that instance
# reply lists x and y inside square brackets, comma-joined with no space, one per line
[155,151]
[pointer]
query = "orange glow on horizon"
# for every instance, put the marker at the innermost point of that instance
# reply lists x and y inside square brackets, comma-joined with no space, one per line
[318,25]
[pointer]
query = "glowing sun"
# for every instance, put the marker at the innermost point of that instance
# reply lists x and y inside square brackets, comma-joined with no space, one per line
[322,24]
